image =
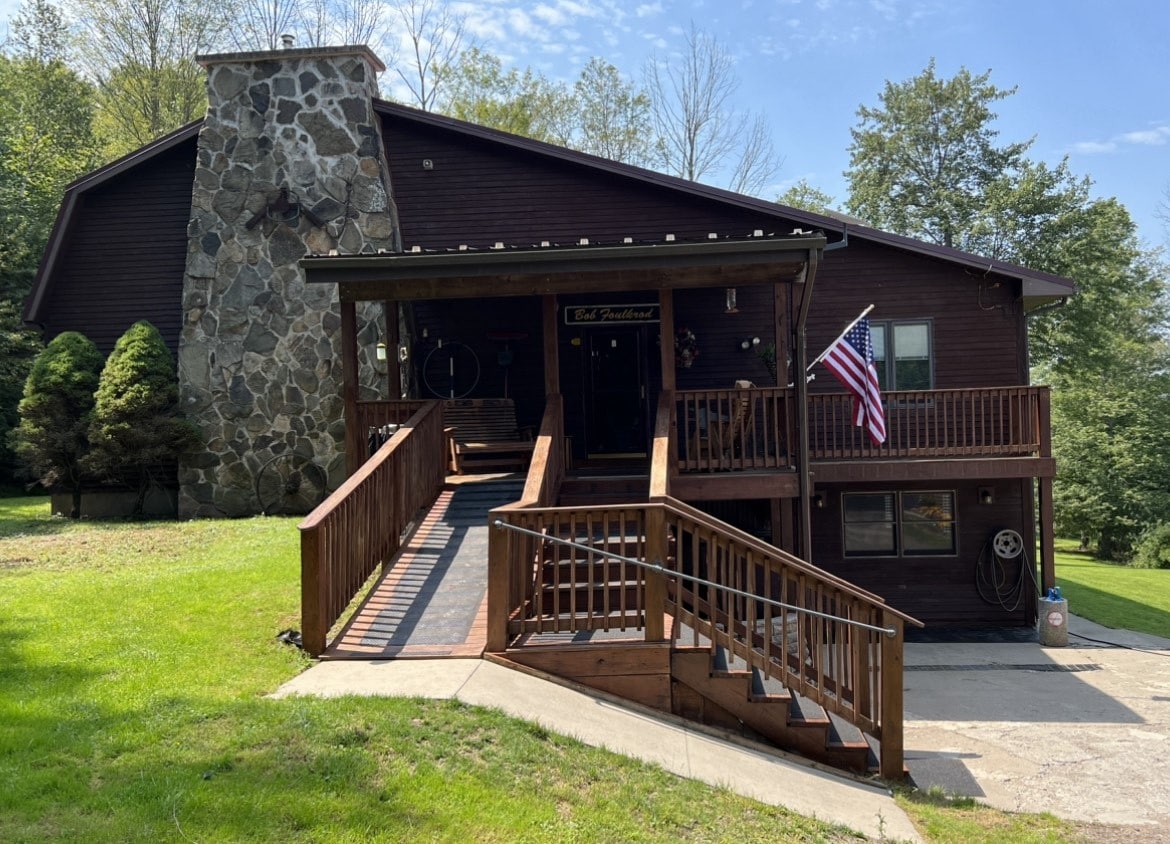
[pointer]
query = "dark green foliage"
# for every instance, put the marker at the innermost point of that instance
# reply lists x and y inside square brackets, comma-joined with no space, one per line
[1153,549]
[56,412]
[136,427]
[18,348]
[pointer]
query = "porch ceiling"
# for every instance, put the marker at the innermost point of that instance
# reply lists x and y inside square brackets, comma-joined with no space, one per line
[540,270]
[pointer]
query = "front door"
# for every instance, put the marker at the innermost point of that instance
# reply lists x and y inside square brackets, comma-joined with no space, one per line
[615,400]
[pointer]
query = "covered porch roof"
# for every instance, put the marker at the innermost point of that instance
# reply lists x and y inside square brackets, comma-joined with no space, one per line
[549,269]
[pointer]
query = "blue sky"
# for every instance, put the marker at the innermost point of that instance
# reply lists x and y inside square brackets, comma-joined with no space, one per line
[1093,77]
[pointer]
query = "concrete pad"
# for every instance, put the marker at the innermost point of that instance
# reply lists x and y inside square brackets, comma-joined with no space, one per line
[1082,732]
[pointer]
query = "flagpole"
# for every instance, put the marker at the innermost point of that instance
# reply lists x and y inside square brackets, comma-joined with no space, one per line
[825,353]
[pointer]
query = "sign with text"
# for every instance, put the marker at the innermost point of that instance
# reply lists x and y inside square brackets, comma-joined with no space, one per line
[610,314]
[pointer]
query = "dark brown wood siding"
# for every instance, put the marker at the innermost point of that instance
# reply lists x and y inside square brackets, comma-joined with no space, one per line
[479,193]
[936,590]
[124,256]
[976,322]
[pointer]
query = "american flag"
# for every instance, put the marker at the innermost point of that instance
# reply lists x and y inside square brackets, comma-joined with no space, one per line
[851,360]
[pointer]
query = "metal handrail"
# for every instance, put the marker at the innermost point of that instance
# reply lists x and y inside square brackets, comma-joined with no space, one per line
[500,523]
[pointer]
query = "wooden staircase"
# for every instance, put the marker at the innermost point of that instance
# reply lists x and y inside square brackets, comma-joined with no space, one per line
[711,687]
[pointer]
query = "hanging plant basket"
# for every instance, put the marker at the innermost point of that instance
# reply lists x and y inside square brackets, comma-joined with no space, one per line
[686,348]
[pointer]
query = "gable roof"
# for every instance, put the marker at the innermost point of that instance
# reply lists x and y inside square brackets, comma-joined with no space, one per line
[1037,287]
[1035,283]
[42,283]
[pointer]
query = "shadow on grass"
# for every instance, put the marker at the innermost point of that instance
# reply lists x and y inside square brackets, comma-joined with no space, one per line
[1115,611]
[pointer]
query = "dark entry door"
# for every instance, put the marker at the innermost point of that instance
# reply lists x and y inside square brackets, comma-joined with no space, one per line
[615,400]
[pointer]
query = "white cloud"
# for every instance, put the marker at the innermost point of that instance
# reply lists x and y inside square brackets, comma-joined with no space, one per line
[550,15]
[1093,147]
[647,9]
[1150,137]
[1156,136]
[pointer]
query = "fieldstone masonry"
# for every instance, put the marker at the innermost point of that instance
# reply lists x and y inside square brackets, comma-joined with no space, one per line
[290,161]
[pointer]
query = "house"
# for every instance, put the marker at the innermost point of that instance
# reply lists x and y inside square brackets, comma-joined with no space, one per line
[635,319]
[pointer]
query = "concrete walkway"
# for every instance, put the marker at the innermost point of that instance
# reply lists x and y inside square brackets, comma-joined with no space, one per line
[598,722]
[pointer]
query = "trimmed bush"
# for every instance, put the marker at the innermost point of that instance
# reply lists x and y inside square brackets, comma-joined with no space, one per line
[1153,549]
[56,411]
[136,425]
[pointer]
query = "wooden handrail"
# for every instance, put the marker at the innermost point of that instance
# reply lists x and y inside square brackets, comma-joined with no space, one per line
[663,464]
[547,467]
[547,586]
[361,524]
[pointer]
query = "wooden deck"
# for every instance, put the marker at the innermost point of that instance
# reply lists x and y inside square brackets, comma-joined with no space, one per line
[431,602]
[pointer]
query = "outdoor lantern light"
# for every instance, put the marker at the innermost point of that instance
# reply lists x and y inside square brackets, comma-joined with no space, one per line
[380,352]
[986,495]
[729,305]
[749,343]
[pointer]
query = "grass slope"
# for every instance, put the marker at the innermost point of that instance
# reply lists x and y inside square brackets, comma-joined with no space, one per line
[1112,594]
[134,663]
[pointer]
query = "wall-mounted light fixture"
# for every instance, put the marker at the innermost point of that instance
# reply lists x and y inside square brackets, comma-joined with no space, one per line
[729,302]
[749,343]
[819,501]
[986,495]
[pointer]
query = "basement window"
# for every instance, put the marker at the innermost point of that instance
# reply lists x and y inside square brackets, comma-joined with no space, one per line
[893,524]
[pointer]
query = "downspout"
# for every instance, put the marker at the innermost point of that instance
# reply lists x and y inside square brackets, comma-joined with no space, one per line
[801,382]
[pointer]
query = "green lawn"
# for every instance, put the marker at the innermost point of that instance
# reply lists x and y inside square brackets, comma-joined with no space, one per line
[1111,594]
[134,663]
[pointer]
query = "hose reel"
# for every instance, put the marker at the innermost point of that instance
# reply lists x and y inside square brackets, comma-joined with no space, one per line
[993,580]
[1007,544]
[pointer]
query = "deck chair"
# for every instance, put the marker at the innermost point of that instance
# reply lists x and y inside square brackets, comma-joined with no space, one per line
[726,436]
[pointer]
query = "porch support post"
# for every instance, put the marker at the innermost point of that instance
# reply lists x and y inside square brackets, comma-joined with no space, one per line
[552,360]
[1047,549]
[498,588]
[655,595]
[393,364]
[349,390]
[666,338]
[804,474]
[890,766]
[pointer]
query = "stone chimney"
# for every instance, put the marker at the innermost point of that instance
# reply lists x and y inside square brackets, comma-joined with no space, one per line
[290,161]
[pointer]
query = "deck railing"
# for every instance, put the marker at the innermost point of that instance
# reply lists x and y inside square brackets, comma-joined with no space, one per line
[360,526]
[983,422]
[546,586]
[736,429]
[742,430]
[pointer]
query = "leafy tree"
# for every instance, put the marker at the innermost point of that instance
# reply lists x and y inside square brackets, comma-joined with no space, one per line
[46,141]
[55,413]
[924,161]
[18,348]
[612,114]
[136,425]
[806,197]
[140,53]
[698,132]
[478,89]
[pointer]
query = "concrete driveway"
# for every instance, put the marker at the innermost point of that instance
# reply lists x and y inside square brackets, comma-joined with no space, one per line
[1082,732]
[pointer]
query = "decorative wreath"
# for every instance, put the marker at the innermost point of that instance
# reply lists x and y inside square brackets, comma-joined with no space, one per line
[686,347]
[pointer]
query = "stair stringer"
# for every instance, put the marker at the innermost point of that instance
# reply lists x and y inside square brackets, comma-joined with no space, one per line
[772,716]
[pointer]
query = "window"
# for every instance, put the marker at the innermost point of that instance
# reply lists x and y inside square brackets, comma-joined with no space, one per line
[893,524]
[902,354]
